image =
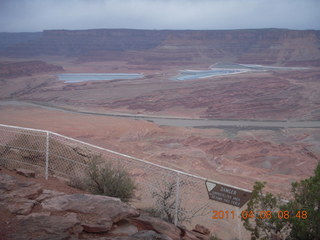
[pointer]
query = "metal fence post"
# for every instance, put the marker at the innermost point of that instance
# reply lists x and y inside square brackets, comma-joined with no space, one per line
[239,223]
[177,200]
[47,156]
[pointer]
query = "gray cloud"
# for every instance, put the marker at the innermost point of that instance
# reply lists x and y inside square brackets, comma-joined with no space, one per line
[37,15]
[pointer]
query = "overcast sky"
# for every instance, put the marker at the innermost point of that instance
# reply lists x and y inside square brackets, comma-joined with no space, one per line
[37,15]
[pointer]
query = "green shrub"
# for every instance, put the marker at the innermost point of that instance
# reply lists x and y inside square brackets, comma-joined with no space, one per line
[109,179]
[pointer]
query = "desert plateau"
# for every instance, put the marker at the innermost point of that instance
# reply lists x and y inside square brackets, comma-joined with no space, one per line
[257,121]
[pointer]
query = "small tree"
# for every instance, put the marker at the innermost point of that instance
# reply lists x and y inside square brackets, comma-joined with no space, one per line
[166,203]
[305,207]
[262,227]
[302,219]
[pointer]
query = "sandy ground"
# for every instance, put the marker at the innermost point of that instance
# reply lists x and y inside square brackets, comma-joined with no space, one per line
[233,156]
[230,155]
[227,155]
[270,95]
[51,184]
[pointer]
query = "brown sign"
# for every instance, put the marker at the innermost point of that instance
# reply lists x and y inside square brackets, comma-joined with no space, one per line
[226,194]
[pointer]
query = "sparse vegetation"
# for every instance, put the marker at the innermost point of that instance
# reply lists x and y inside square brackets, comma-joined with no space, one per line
[106,178]
[165,200]
[165,203]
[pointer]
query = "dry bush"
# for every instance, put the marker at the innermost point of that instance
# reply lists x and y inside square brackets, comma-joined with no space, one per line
[107,178]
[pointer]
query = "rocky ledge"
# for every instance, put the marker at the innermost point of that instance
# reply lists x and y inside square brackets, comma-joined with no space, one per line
[28,211]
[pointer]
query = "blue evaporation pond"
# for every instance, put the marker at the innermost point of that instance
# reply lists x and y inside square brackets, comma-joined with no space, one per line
[189,74]
[85,77]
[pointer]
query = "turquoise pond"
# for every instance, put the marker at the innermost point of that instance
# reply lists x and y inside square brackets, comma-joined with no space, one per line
[221,69]
[85,77]
[191,74]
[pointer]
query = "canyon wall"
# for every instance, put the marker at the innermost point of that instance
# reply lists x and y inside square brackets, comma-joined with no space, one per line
[260,46]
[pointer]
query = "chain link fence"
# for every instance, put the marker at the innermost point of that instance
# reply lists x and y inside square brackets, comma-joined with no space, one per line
[187,201]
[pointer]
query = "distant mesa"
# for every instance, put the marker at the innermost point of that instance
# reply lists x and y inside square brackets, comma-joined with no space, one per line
[279,47]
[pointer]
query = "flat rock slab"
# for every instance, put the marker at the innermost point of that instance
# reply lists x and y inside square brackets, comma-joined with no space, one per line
[47,227]
[27,190]
[76,216]
[12,187]
[142,235]
[199,236]
[48,194]
[26,172]
[21,206]
[97,224]
[125,230]
[159,226]
[149,235]
[102,206]
[96,228]
[201,229]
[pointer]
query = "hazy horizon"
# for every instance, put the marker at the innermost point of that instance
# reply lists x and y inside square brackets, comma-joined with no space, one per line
[143,29]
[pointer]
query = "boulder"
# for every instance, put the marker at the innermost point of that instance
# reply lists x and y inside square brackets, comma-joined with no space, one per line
[29,190]
[200,236]
[150,235]
[187,235]
[5,187]
[17,196]
[102,206]
[101,226]
[5,178]
[11,187]
[36,214]
[21,206]
[47,227]
[74,216]
[201,229]
[125,230]
[159,226]
[26,172]
[48,194]
[96,228]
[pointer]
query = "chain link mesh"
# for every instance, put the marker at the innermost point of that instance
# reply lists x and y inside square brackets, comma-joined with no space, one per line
[181,198]
[22,148]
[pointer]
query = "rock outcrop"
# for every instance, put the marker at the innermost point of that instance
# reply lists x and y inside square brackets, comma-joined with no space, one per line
[30,212]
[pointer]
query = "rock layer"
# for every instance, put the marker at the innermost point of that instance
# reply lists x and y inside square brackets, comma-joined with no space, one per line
[46,214]
[263,46]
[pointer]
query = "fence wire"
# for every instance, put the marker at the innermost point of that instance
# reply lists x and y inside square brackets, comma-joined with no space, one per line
[187,202]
